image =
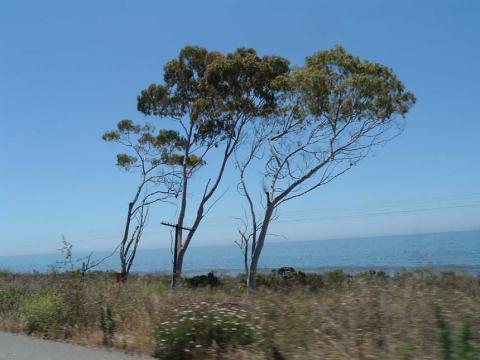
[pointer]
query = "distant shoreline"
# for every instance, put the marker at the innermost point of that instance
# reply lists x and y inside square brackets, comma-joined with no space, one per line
[271,242]
[353,270]
[457,251]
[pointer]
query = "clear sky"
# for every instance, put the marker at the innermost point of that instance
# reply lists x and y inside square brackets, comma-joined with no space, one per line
[69,70]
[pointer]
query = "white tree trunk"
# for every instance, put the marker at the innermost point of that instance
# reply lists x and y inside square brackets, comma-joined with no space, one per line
[252,271]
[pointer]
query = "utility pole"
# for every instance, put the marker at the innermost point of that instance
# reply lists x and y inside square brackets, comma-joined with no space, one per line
[175,247]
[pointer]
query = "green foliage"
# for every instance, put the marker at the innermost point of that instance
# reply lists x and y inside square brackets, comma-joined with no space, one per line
[199,327]
[125,160]
[176,159]
[124,127]
[10,298]
[107,325]
[337,278]
[148,146]
[111,135]
[289,278]
[48,315]
[209,280]
[287,273]
[211,89]
[444,333]
[284,277]
[406,352]
[459,345]
[334,81]
[464,347]
[374,275]
[170,137]
[314,282]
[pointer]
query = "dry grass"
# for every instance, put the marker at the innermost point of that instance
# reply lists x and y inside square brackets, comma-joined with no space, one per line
[364,317]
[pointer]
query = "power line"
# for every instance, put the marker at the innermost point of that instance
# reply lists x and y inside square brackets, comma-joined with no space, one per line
[383,206]
[229,220]
[383,213]
[395,203]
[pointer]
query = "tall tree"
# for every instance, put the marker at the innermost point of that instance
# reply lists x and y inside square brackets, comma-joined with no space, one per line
[332,112]
[152,157]
[212,97]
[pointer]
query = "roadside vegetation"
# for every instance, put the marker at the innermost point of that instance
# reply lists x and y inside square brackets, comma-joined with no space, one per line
[291,315]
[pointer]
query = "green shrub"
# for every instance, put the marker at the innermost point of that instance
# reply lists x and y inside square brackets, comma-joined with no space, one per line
[282,278]
[209,280]
[47,314]
[374,275]
[463,343]
[290,275]
[10,298]
[314,282]
[406,352]
[107,324]
[198,328]
[458,346]
[270,281]
[336,278]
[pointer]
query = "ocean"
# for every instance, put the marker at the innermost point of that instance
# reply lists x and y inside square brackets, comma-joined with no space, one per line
[458,251]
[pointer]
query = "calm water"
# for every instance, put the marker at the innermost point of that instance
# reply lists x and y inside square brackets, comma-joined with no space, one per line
[455,250]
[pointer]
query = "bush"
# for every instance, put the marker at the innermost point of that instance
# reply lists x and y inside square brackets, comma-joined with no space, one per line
[10,298]
[48,315]
[107,325]
[458,346]
[210,280]
[375,276]
[337,278]
[282,278]
[201,327]
[314,282]
[289,274]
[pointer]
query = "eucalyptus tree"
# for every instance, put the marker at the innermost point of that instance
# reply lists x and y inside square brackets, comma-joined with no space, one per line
[212,97]
[332,112]
[152,156]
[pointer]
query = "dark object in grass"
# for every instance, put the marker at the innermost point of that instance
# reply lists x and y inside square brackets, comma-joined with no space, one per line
[199,281]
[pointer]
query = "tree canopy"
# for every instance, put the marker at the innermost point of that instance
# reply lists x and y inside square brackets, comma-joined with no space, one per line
[212,89]
[330,113]
[213,97]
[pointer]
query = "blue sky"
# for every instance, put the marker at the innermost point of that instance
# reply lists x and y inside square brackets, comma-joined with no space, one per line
[69,70]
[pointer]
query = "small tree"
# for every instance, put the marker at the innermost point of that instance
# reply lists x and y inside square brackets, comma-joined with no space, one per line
[212,97]
[67,256]
[332,112]
[153,157]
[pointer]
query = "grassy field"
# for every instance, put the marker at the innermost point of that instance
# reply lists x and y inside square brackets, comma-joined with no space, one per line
[412,315]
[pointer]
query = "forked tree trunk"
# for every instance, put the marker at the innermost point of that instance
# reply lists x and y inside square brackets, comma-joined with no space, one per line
[199,216]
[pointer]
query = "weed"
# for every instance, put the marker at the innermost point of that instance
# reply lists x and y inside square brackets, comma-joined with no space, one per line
[107,325]
[47,315]
[199,327]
